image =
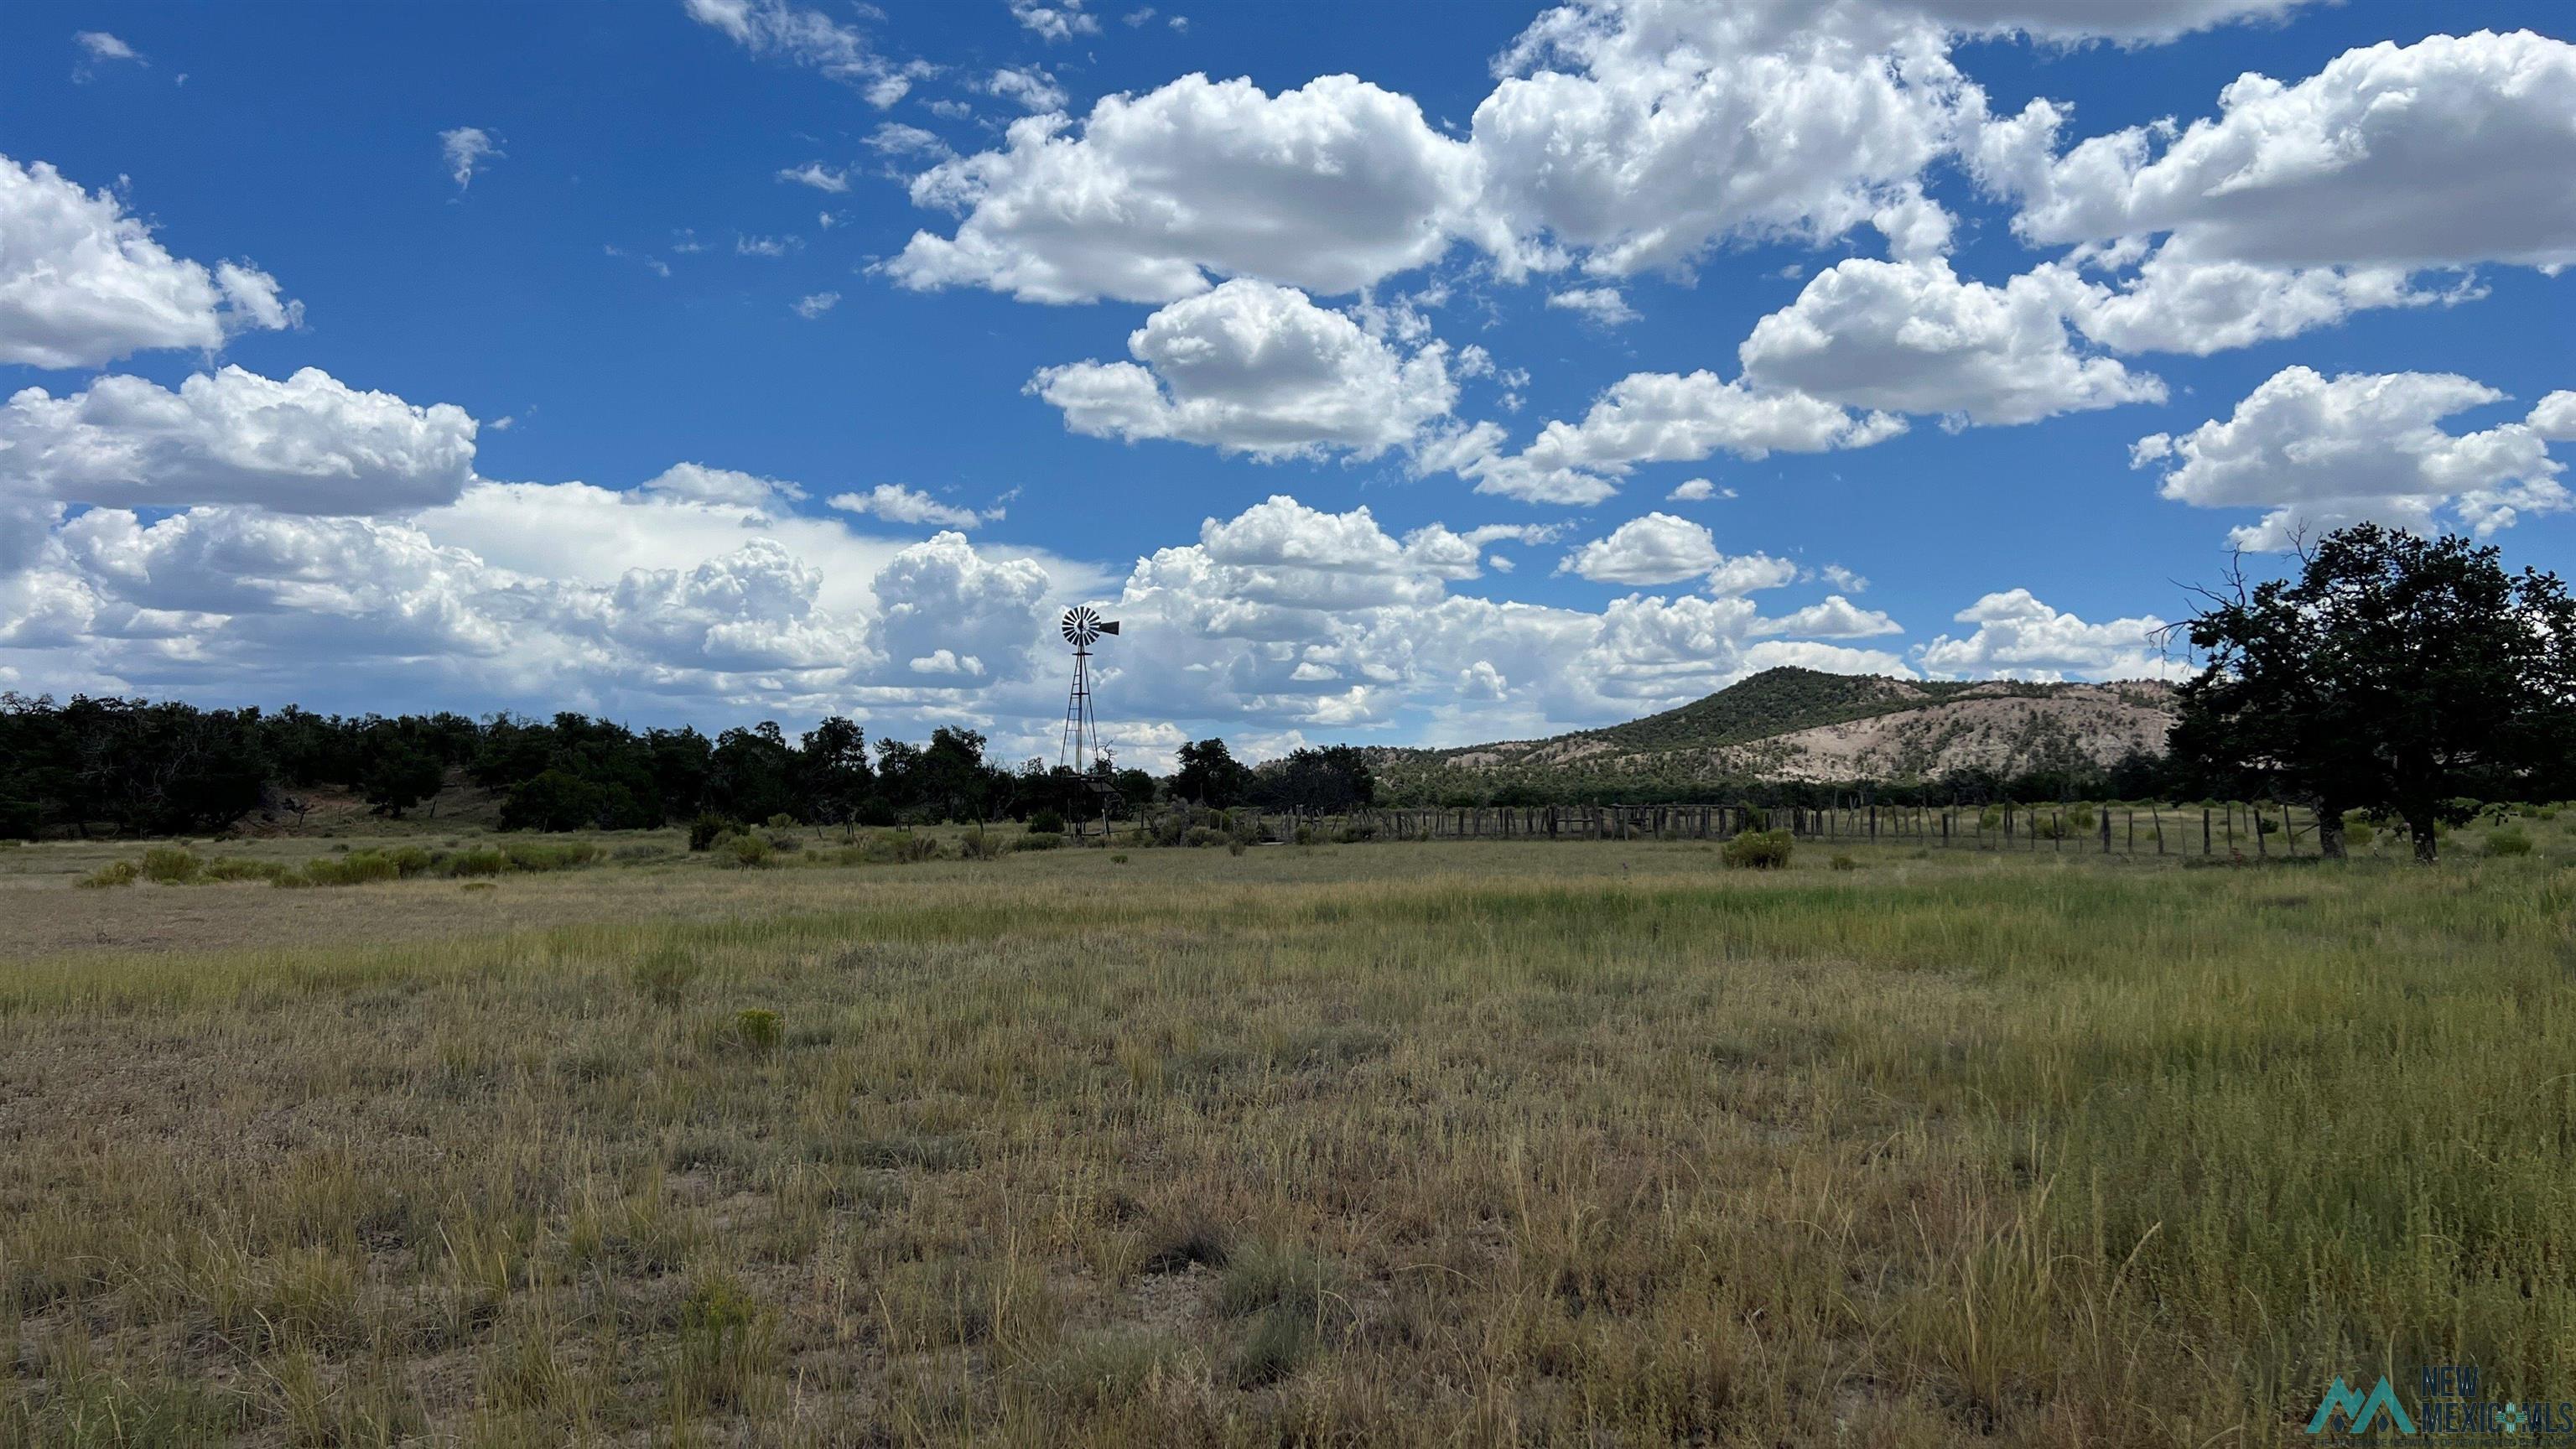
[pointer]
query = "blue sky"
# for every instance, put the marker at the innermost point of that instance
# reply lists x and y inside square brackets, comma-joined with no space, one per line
[1885,274]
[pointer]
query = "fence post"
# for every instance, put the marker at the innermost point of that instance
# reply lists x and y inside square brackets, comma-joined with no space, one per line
[2204,830]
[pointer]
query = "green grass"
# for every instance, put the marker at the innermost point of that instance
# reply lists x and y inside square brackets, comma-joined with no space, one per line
[1464,1143]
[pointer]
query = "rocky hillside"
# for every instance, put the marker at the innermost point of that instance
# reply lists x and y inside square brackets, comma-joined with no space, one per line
[1799,724]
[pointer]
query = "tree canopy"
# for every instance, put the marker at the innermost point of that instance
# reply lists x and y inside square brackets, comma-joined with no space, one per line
[2400,676]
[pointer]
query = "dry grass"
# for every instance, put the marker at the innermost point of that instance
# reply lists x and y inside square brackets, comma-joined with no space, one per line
[1475,1143]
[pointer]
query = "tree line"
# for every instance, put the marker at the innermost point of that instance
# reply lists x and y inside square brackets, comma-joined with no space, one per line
[141,767]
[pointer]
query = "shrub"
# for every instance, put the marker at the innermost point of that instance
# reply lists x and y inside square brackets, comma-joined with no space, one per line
[744,852]
[114,873]
[725,1341]
[410,861]
[1234,846]
[876,813]
[2356,834]
[483,860]
[1203,835]
[234,867]
[1046,822]
[538,855]
[1305,835]
[363,867]
[1119,859]
[1039,842]
[786,843]
[780,821]
[170,865]
[664,976]
[757,1028]
[979,844]
[710,827]
[2509,840]
[899,847]
[1843,862]
[640,851]
[1758,850]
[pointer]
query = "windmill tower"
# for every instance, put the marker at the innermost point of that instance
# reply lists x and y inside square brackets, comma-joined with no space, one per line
[1083,627]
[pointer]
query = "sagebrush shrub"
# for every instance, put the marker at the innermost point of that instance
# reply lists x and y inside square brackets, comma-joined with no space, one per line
[748,852]
[1046,822]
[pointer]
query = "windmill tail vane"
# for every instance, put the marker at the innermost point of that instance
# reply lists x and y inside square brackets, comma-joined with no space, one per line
[1083,627]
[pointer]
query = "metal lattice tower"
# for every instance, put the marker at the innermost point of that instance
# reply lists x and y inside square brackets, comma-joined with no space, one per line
[1083,627]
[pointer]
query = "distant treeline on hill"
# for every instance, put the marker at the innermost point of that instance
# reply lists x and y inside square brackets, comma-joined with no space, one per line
[135,767]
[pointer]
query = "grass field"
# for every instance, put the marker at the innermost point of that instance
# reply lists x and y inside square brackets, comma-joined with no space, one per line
[1444,1144]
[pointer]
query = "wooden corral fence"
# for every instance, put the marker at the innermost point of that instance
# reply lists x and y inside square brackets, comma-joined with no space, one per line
[2255,830]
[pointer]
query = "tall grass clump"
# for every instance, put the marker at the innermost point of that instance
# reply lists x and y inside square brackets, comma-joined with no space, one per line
[663,977]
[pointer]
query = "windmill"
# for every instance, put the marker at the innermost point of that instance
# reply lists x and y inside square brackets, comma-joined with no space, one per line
[1083,627]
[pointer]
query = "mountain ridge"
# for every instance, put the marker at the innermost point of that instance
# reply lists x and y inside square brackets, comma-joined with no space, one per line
[1792,724]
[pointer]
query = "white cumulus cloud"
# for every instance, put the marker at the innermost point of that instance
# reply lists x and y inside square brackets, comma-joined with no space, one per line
[310,444]
[2018,637]
[1915,337]
[83,283]
[2321,452]
[2447,152]
[1255,368]
[1327,187]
